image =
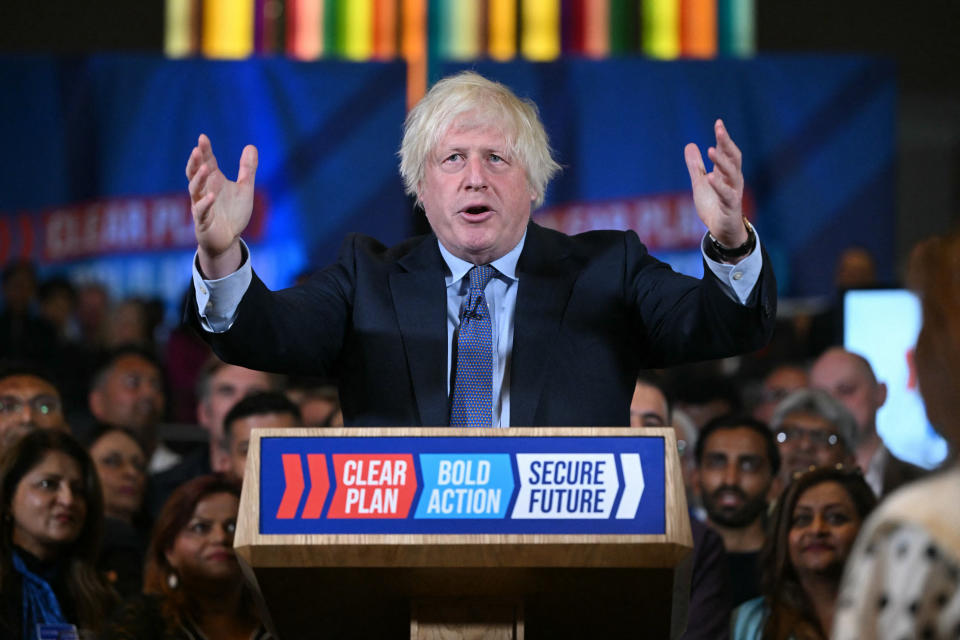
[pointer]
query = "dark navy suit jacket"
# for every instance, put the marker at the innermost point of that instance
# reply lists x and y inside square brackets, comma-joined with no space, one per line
[591,311]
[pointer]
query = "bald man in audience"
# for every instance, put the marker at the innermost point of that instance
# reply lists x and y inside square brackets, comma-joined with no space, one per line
[28,400]
[850,379]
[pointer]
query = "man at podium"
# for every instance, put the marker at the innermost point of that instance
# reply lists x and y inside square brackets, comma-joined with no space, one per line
[490,320]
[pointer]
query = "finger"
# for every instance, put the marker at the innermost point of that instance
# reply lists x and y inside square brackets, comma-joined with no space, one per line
[691,154]
[206,151]
[198,182]
[200,209]
[248,164]
[193,160]
[726,144]
[725,165]
[728,195]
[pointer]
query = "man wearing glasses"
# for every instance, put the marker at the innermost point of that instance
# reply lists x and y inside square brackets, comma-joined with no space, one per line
[28,400]
[813,430]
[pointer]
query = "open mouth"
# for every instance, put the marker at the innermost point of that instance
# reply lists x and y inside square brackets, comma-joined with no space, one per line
[476,211]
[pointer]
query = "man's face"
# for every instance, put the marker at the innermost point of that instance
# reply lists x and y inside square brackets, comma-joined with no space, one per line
[228,385]
[131,395]
[475,193]
[780,383]
[648,407]
[27,403]
[845,377]
[734,476]
[240,436]
[807,440]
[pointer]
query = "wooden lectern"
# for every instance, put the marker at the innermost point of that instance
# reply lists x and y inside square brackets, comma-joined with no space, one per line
[392,549]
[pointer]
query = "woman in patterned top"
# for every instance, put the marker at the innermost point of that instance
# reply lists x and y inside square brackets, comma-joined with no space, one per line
[812,531]
[193,584]
[902,581]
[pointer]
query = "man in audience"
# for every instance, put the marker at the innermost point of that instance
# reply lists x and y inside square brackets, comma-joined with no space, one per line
[649,407]
[261,410]
[127,391]
[219,387]
[850,379]
[28,400]
[812,429]
[737,464]
[777,385]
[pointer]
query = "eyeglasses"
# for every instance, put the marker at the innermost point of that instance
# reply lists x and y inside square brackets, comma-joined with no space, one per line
[43,404]
[788,433]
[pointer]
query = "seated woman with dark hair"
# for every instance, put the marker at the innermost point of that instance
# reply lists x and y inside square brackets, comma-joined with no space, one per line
[193,585]
[49,538]
[811,533]
[121,464]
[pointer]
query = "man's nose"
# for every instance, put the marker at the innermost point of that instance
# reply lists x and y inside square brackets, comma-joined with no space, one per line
[476,175]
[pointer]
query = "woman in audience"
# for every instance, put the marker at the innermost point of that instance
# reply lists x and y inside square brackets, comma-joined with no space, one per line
[812,531]
[50,533]
[903,580]
[122,466]
[193,582]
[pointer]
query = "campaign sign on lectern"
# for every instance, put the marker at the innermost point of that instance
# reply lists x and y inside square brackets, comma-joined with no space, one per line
[456,485]
[490,533]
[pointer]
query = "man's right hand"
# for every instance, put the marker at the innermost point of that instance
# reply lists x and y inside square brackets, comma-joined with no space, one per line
[221,208]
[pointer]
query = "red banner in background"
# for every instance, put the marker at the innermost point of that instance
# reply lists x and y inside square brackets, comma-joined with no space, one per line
[109,227]
[666,222]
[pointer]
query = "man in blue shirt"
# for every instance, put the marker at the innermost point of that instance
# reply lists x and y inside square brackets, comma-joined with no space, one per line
[571,319]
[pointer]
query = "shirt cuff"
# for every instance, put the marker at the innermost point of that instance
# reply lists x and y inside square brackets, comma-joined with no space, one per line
[217,300]
[737,280]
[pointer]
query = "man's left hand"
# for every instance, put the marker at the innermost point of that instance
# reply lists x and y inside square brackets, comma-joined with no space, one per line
[718,195]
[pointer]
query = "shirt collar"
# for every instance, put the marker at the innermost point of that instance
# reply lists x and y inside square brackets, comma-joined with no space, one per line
[506,265]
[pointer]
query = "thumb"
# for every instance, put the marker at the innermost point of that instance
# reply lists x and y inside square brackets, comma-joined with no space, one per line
[248,164]
[691,153]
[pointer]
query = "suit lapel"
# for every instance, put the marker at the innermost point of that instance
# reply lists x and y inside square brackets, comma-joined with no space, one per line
[546,280]
[420,302]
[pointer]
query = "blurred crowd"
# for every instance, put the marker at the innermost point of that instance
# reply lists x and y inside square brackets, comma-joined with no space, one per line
[123,447]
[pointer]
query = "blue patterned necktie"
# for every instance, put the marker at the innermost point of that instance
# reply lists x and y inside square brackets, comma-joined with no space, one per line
[472,404]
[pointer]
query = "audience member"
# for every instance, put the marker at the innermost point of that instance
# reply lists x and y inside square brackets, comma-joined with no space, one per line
[319,401]
[849,378]
[92,313]
[706,568]
[221,386]
[57,300]
[122,467]
[812,430]
[49,537]
[737,464]
[813,529]
[783,380]
[23,333]
[129,324]
[704,396]
[193,585]
[903,580]
[128,392]
[650,407]
[260,410]
[28,400]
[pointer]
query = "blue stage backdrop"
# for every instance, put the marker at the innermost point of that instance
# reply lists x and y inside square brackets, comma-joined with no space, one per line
[93,181]
[95,149]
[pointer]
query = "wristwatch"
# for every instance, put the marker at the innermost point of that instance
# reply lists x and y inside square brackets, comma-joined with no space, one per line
[728,253]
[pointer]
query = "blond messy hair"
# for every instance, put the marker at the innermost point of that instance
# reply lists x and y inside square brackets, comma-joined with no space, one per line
[487,103]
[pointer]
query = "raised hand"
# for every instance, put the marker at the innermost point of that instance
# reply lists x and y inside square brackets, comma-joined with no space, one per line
[221,208]
[718,195]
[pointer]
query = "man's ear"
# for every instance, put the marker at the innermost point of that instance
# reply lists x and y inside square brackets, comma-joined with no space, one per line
[881,392]
[203,414]
[96,402]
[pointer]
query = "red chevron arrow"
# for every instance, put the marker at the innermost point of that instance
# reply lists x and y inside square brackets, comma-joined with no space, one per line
[319,485]
[293,476]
